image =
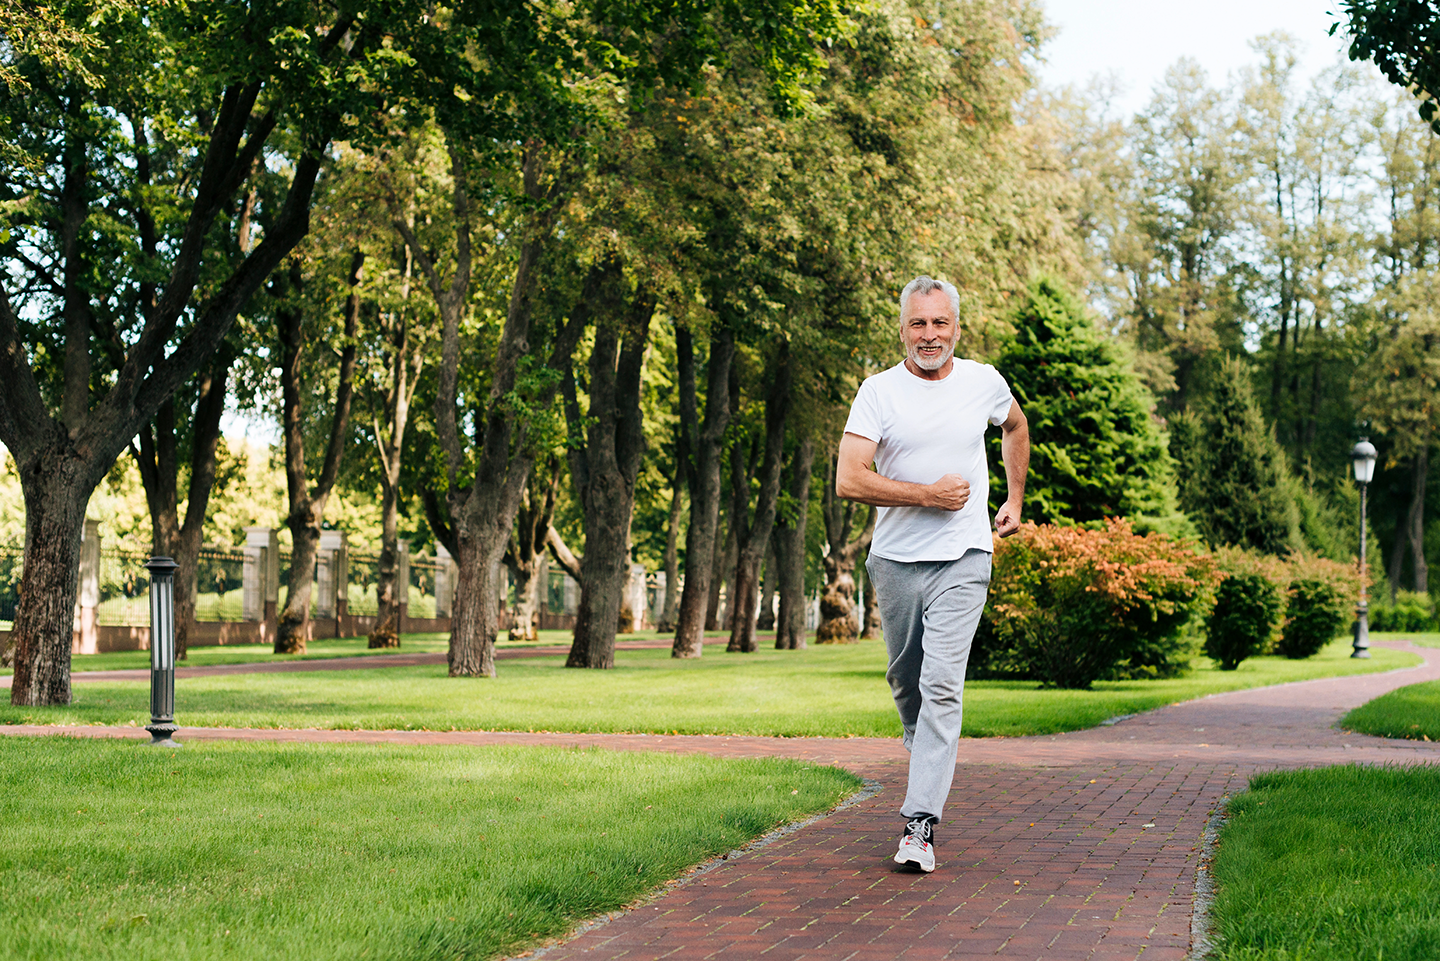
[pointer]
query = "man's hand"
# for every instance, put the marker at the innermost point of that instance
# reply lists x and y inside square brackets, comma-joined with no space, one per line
[949,493]
[1007,518]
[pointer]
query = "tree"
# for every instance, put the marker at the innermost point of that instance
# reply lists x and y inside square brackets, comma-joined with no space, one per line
[123,216]
[295,321]
[1399,36]
[791,521]
[1096,449]
[1234,477]
[843,547]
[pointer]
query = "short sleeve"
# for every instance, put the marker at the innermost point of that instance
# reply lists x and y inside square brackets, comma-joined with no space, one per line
[1002,399]
[865,414]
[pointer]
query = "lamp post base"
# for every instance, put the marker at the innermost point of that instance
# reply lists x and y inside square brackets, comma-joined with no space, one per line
[161,735]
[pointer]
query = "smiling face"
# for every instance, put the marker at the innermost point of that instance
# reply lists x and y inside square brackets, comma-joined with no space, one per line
[930,331]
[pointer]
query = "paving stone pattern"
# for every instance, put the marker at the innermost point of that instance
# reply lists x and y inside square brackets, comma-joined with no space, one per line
[1075,846]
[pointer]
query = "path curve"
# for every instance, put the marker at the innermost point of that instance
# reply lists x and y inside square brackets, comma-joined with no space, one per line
[1071,846]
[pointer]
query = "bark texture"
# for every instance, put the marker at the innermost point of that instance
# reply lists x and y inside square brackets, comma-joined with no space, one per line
[1410,532]
[670,612]
[307,504]
[837,603]
[705,485]
[752,534]
[790,630]
[604,467]
[765,620]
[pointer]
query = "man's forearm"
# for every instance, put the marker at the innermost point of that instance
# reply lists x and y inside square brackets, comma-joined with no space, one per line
[868,487]
[1015,450]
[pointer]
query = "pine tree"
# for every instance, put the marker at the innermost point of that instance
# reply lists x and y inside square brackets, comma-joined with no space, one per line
[1235,481]
[1096,450]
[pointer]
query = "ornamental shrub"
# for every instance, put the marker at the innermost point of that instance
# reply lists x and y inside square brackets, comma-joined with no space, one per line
[1069,606]
[1409,613]
[1242,620]
[1314,616]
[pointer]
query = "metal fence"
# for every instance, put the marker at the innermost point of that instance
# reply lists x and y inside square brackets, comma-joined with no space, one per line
[220,586]
[420,600]
[124,589]
[364,575]
[11,562]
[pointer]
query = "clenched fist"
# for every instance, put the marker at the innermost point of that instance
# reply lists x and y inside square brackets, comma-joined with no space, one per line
[949,493]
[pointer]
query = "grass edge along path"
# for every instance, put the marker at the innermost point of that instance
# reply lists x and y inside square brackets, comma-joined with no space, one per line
[836,691]
[1330,864]
[256,850]
[1411,712]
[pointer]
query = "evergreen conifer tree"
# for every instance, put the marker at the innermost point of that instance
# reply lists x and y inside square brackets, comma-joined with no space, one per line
[1235,481]
[1096,451]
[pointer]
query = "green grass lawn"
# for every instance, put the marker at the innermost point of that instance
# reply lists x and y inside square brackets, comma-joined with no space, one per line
[1430,639]
[318,649]
[832,691]
[112,849]
[1336,864]
[1410,712]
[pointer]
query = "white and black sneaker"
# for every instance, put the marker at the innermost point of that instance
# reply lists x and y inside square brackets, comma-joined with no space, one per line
[917,847]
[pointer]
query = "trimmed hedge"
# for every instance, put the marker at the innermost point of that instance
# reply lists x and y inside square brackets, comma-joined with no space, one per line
[1242,620]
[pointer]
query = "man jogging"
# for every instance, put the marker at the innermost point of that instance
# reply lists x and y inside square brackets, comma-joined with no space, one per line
[922,423]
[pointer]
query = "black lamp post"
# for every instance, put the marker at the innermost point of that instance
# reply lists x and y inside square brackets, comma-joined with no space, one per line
[1362,456]
[162,725]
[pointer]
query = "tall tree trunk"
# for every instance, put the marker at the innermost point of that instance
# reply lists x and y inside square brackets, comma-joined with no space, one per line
[722,564]
[404,359]
[790,630]
[670,614]
[1415,526]
[485,488]
[525,556]
[307,504]
[837,603]
[604,470]
[870,628]
[44,619]
[765,621]
[753,538]
[157,460]
[704,491]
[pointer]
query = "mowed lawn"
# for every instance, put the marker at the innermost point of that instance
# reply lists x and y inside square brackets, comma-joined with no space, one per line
[832,691]
[113,849]
[1336,864]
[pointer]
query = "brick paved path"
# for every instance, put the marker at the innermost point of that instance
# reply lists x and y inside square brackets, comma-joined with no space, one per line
[1082,845]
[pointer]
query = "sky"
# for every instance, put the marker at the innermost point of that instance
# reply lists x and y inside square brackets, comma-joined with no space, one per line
[1136,40]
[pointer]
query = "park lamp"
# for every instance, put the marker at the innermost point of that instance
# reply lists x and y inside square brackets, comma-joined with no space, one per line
[1362,458]
[162,725]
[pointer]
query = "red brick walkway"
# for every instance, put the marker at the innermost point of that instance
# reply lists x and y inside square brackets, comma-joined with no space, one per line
[1082,845]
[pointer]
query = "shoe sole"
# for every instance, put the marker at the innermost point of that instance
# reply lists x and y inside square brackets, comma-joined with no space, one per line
[910,862]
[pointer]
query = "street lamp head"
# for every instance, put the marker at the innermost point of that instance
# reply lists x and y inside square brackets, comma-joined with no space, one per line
[1362,456]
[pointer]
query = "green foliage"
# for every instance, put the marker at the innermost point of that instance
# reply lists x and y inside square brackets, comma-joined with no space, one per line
[401,852]
[1070,606]
[1234,478]
[1242,620]
[1334,864]
[1398,35]
[1096,450]
[1314,614]
[1408,613]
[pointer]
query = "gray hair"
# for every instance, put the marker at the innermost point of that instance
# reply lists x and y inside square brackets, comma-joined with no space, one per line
[924,285]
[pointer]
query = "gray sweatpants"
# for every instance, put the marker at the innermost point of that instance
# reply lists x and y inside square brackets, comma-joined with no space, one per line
[929,611]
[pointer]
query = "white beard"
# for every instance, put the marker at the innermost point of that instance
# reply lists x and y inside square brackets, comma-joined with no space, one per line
[935,364]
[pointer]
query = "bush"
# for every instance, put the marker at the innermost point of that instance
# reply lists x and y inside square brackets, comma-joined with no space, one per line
[1314,616]
[1070,606]
[1409,613]
[1242,620]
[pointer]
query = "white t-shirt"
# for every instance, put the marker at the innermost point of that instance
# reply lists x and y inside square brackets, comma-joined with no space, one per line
[926,429]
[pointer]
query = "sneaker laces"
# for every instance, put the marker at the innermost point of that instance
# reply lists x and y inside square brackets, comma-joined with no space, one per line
[919,829]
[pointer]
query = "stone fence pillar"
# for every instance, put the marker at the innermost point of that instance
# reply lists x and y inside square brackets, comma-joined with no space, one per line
[332,580]
[261,594]
[87,600]
[445,578]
